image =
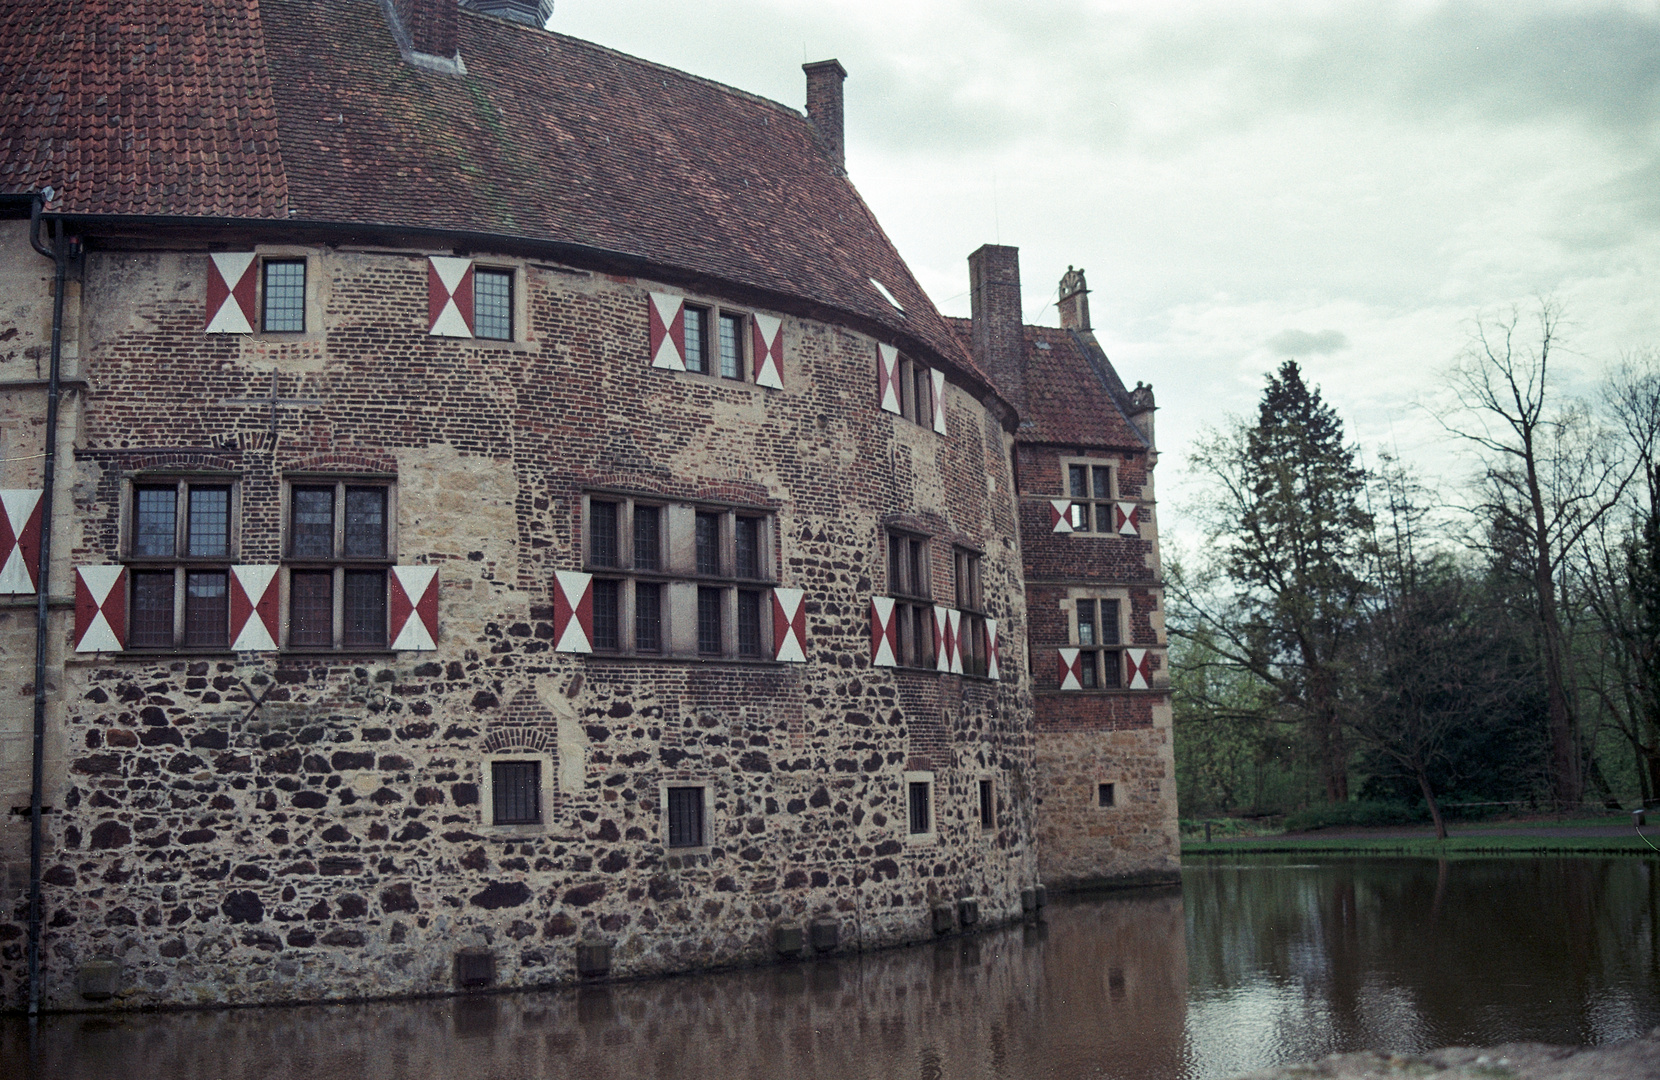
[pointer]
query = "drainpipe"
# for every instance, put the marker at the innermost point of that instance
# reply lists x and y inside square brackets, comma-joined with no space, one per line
[59,254]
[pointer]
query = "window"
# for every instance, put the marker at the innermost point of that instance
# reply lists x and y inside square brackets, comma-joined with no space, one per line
[1090,487]
[910,583]
[1099,666]
[1104,794]
[971,602]
[683,809]
[493,304]
[284,296]
[988,806]
[180,541]
[916,392]
[922,820]
[726,354]
[678,580]
[516,792]
[339,552]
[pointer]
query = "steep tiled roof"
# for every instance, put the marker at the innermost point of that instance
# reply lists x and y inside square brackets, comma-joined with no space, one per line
[304,110]
[1073,393]
[146,107]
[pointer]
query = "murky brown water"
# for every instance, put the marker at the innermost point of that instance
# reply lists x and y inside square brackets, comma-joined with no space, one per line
[1252,962]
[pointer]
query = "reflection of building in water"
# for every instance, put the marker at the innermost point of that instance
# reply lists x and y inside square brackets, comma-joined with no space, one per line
[516,515]
[1102,993]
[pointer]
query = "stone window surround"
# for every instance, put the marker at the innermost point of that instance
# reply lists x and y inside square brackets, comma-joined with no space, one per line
[127,506]
[1094,792]
[315,302]
[908,778]
[521,339]
[987,828]
[487,795]
[340,480]
[708,787]
[1069,606]
[712,312]
[679,577]
[1113,462]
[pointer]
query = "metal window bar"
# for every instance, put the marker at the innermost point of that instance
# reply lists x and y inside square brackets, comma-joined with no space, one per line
[516,791]
[685,817]
[920,817]
[987,807]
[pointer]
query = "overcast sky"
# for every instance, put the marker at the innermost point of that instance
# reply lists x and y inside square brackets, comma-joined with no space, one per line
[1347,184]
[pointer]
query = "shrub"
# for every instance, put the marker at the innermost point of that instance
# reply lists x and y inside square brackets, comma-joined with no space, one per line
[1369,814]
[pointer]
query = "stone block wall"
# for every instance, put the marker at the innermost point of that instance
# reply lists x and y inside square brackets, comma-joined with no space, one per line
[1136,838]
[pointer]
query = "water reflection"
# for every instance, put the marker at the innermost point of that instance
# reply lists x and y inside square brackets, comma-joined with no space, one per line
[1266,961]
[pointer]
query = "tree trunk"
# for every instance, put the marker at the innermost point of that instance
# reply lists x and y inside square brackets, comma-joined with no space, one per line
[1566,784]
[1434,807]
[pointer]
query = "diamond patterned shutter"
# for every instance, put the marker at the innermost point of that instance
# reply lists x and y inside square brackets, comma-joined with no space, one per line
[939,400]
[253,608]
[668,331]
[954,627]
[768,351]
[19,540]
[942,638]
[1071,670]
[230,293]
[414,607]
[573,611]
[449,297]
[100,608]
[1060,515]
[789,626]
[887,377]
[884,635]
[991,650]
[1124,519]
[1138,669]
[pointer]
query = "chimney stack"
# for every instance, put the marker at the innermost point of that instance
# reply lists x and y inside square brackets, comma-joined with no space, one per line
[429,26]
[999,329]
[1074,301]
[824,107]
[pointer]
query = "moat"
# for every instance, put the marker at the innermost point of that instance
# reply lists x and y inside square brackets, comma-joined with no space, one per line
[1251,962]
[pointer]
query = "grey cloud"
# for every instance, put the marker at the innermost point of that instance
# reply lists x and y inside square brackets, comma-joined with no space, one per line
[1303,343]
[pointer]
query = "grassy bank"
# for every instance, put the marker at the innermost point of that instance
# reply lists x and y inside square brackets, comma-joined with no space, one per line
[1587,836]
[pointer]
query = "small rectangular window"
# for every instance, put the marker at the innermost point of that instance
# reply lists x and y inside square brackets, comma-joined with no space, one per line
[1109,622]
[516,791]
[150,623]
[365,615]
[210,522]
[988,811]
[206,609]
[311,609]
[606,624]
[602,533]
[1104,794]
[747,540]
[311,528]
[697,351]
[648,617]
[921,817]
[685,817]
[1078,481]
[365,523]
[647,538]
[731,347]
[183,605]
[154,521]
[284,296]
[493,304]
[749,622]
[708,544]
[709,636]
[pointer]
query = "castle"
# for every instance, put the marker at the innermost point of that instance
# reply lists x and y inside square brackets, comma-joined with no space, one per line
[504,513]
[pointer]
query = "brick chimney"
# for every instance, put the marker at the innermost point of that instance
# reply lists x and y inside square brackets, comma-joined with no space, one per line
[425,28]
[824,107]
[999,333]
[1074,301]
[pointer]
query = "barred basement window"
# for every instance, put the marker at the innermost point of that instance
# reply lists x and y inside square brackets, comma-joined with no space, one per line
[1099,668]
[988,806]
[922,820]
[493,304]
[339,552]
[726,355]
[678,580]
[179,549]
[284,310]
[516,792]
[685,817]
[1105,794]
[1090,487]
[910,583]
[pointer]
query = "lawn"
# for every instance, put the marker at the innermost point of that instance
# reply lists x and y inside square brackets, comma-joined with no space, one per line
[1589,836]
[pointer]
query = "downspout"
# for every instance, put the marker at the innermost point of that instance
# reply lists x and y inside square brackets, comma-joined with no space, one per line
[58,253]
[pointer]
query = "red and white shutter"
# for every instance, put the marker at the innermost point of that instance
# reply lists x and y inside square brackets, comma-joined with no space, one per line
[942,639]
[415,608]
[789,626]
[668,331]
[449,297]
[253,608]
[230,292]
[1124,518]
[954,627]
[1138,669]
[1060,515]
[884,634]
[1071,670]
[939,399]
[100,608]
[19,540]
[768,351]
[573,611]
[991,650]
[887,377]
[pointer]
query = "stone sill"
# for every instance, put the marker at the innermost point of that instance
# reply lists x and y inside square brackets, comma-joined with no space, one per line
[1101,693]
[670,658]
[349,656]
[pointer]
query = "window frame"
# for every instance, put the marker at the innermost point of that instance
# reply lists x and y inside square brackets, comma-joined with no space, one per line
[909,781]
[1091,514]
[968,583]
[711,318]
[702,593]
[179,561]
[512,275]
[707,806]
[266,263]
[916,391]
[1106,794]
[537,815]
[987,789]
[913,600]
[1102,658]
[339,564]
[547,784]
